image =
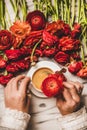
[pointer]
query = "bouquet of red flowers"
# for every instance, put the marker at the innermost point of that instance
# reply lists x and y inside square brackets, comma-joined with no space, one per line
[26,41]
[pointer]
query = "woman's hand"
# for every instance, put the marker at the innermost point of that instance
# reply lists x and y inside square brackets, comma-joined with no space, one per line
[70,99]
[16,94]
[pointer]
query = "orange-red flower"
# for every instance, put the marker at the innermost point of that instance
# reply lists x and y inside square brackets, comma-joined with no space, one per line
[83,73]
[20,29]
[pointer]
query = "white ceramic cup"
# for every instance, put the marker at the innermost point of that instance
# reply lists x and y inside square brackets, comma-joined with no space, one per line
[41,64]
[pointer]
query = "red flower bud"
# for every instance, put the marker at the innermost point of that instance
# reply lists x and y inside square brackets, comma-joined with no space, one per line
[74,67]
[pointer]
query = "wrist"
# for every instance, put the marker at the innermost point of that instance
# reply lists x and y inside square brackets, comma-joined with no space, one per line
[71,121]
[15,119]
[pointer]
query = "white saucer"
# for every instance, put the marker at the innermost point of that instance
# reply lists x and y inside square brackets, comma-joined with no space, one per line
[48,64]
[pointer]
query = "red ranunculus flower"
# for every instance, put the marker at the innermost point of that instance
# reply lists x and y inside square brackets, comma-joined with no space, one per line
[13,54]
[17,53]
[75,33]
[38,53]
[18,66]
[5,40]
[59,75]
[74,67]
[61,58]
[68,44]
[83,73]
[75,56]
[50,40]
[36,19]
[29,42]
[63,26]
[3,63]
[77,26]
[4,79]
[53,84]
[50,52]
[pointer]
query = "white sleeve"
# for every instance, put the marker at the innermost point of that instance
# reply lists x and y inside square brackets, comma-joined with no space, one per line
[74,121]
[14,119]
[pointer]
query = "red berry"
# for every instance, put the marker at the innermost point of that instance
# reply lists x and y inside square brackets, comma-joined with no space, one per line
[36,19]
[51,86]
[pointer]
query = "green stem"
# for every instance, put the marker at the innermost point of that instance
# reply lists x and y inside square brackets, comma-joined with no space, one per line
[67,3]
[35,4]
[56,5]
[79,10]
[62,10]
[23,8]
[82,54]
[83,8]
[2,14]
[73,11]
[32,54]
[15,4]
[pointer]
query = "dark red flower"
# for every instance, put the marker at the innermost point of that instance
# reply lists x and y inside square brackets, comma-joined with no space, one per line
[77,26]
[5,40]
[36,19]
[82,73]
[68,44]
[75,33]
[62,29]
[61,58]
[29,42]
[38,53]
[60,76]
[3,63]
[58,28]
[4,79]
[17,53]
[49,39]
[75,56]
[18,66]
[74,67]
[13,54]
[50,52]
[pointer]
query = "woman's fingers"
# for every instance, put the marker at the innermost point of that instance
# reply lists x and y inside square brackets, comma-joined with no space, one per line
[73,91]
[65,97]
[78,86]
[15,94]
[17,81]
[24,85]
